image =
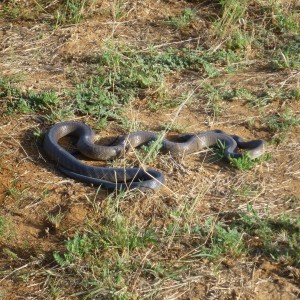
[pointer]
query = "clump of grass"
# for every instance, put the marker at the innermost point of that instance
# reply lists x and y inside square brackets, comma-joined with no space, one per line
[125,74]
[277,238]
[216,94]
[9,253]
[55,218]
[281,123]
[127,71]
[13,190]
[247,190]
[214,99]
[7,230]
[117,9]
[238,40]
[283,20]
[295,94]
[7,88]
[232,12]
[40,101]
[107,256]
[241,94]
[62,12]
[242,163]
[219,93]
[222,240]
[28,102]
[123,236]
[71,12]
[186,16]
[286,57]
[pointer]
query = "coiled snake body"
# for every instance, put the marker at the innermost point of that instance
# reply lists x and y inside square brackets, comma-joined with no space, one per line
[130,178]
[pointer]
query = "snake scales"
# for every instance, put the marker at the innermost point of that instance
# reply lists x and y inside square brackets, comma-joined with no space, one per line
[130,178]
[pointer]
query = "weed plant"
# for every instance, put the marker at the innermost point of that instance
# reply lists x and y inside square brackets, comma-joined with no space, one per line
[123,74]
[281,123]
[185,18]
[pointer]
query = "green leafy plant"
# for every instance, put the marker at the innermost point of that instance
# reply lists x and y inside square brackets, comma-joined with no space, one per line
[282,122]
[286,57]
[186,16]
[222,240]
[151,150]
[245,162]
[76,249]
[120,235]
[238,40]
[29,102]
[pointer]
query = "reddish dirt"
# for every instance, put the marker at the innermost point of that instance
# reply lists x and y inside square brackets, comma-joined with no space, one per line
[45,59]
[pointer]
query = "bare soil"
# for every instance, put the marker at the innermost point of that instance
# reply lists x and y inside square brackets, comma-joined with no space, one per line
[49,59]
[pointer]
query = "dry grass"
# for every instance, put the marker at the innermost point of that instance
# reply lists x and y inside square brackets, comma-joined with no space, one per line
[213,232]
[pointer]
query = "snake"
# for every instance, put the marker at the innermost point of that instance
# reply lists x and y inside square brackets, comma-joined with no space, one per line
[133,178]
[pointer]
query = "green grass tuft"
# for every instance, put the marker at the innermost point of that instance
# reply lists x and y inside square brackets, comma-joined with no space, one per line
[185,18]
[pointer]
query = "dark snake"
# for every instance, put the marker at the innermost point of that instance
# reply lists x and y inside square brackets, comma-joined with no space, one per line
[133,178]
